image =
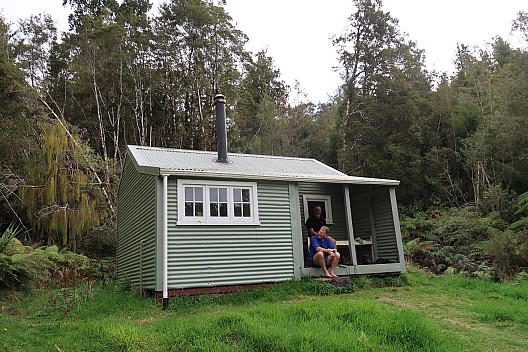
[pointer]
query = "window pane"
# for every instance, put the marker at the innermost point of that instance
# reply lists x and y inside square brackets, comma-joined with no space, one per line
[245,195]
[246,210]
[198,209]
[237,195]
[213,193]
[198,194]
[223,209]
[214,209]
[189,193]
[189,209]
[223,194]
[238,209]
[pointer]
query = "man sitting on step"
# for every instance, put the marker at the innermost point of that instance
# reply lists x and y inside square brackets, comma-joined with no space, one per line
[323,252]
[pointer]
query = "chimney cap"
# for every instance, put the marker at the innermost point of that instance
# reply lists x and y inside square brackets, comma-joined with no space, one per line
[220,98]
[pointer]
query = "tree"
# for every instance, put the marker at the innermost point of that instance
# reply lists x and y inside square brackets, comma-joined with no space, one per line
[520,24]
[18,118]
[490,105]
[34,40]
[260,106]
[384,114]
[197,51]
[61,199]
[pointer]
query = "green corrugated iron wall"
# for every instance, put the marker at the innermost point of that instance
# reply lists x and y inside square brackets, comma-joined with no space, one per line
[384,225]
[136,221]
[221,255]
[338,229]
[372,214]
[361,218]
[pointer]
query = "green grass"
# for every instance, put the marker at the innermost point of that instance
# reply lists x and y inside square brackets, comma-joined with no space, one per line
[413,312]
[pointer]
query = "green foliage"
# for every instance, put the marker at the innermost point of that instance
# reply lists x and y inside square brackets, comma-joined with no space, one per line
[467,242]
[18,118]
[33,42]
[521,212]
[509,250]
[258,113]
[383,123]
[8,237]
[417,251]
[62,202]
[48,267]
[187,304]
[14,271]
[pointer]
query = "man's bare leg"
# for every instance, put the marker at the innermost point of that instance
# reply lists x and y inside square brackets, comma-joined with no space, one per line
[319,259]
[333,261]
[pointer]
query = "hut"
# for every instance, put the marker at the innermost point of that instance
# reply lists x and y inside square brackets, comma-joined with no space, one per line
[193,221]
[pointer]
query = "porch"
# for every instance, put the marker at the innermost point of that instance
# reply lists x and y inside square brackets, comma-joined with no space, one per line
[363,220]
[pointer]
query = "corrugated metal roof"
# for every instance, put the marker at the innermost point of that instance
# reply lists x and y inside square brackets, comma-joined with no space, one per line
[168,161]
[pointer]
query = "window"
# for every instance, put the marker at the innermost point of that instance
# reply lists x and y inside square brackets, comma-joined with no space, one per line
[324,201]
[194,201]
[242,202]
[217,202]
[223,203]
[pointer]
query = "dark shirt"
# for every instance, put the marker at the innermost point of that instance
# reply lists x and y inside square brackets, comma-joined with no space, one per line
[315,223]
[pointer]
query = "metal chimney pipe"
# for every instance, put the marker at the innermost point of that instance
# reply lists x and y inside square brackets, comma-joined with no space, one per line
[221,134]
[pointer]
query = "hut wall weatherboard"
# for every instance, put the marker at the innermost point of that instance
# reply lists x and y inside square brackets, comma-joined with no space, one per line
[223,255]
[384,226]
[372,217]
[136,222]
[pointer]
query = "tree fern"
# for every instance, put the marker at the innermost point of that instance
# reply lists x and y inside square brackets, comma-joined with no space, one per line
[522,210]
[522,204]
[9,234]
[416,248]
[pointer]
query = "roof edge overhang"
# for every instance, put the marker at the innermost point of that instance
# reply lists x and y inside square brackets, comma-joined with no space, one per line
[149,170]
[286,178]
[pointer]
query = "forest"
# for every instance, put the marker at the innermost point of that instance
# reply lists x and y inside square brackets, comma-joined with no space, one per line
[70,103]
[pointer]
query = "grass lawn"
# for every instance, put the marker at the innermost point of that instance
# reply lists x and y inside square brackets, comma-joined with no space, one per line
[414,312]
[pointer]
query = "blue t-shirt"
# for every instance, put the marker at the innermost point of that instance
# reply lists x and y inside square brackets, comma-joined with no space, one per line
[316,242]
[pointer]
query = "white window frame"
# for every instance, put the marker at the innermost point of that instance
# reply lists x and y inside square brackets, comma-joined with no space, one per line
[326,199]
[207,219]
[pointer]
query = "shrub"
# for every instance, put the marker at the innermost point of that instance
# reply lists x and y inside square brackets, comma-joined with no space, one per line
[14,271]
[509,250]
[8,236]
[46,267]
[496,199]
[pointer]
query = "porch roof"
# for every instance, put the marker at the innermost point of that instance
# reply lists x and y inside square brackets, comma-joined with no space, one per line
[195,163]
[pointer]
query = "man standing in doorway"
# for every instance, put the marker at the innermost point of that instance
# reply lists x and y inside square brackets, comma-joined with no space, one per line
[315,222]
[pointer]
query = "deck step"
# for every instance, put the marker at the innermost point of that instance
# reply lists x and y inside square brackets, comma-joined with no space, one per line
[336,281]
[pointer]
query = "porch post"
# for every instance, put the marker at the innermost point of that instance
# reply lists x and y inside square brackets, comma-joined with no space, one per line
[296,230]
[350,227]
[396,219]
[372,228]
